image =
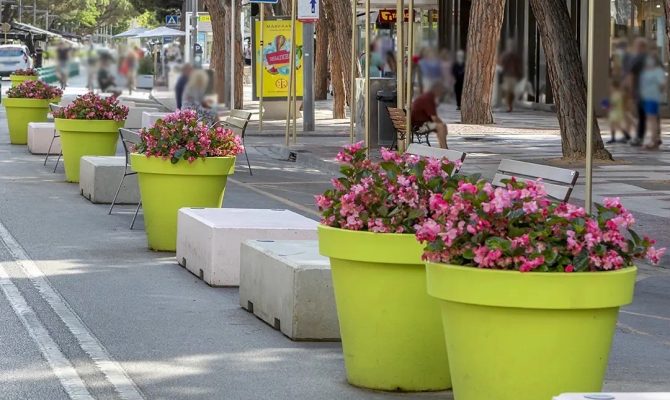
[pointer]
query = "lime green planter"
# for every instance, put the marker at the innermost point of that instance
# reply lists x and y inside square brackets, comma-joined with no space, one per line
[167,187]
[19,79]
[22,111]
[81,137]
[390,328]
[527,336]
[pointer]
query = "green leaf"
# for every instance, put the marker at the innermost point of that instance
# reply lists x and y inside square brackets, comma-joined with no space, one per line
[582,261]
[498,243]
[635,236]
[468,254]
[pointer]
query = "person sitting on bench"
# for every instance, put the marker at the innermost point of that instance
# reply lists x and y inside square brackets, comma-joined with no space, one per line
[424,114]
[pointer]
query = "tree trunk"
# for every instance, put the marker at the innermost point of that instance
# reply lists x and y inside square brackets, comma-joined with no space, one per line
[667,24]
[337,77]
[321,59]
[339,42]
[567,79]
[218,15]
[239,60]
[486,17]
[285,7]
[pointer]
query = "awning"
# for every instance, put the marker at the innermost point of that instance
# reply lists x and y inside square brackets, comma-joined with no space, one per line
[130,33]
[163,31]
[35,30]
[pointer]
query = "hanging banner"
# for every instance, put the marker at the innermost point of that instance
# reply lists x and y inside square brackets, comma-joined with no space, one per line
[276,56]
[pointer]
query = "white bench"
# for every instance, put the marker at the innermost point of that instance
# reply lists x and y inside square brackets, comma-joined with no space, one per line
[39,138]
[135,114]
[209,239]
[613,396]
[287,284]
[150,117]
[99,178]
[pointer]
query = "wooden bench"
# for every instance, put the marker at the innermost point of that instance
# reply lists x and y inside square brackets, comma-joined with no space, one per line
[399,119]
[237,121]
[558,182]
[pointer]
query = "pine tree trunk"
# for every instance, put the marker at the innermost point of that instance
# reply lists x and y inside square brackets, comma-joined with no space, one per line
[667,24]
[285,7]
[567,79]
[338,86]
[239,60]
[321,59]
[486,17]
[219,33]
[339,41]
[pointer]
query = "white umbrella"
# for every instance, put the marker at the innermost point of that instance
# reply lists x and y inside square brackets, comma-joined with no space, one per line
[163,31]
[131,33]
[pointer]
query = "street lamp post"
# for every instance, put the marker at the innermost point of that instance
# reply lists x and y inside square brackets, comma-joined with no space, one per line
[589,109]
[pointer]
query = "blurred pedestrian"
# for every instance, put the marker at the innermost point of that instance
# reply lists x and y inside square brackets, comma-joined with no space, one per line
[128,69]
[376,62]
[391,65]
[106,78]
[91,66]
[633,70]
[63,63]
[512,72]
[652,81]
[448,79]
[181,83]
[431,69]
[195,99]
[458,73]
[617,112]
[424,114]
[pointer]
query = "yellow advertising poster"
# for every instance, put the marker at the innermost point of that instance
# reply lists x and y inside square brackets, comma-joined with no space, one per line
[276,54]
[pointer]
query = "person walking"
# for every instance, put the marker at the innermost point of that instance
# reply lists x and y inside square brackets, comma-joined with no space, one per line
[181,84]
[63,63]
[424,114]
[431,69]
[458,73]
[194,97]
[510,63]
[652,81]
[616,112]
[633,70]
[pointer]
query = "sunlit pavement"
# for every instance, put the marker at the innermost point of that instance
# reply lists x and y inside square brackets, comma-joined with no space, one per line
[119,319]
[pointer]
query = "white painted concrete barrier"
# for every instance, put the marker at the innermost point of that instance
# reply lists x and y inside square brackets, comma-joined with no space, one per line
[99,178]
[287,284]
[209,239]
[135,114]
[149,118]
[39,138]
[613,396]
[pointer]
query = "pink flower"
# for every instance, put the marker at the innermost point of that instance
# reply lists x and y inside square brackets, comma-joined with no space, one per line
[569,268]
[654,256]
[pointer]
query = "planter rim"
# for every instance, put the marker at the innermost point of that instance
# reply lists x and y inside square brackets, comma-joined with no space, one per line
[88,125]
[22,102]
[208,166]
[531,290]
[387,248]
[15,77]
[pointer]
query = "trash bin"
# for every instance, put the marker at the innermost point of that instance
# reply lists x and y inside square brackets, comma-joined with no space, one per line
[386,133]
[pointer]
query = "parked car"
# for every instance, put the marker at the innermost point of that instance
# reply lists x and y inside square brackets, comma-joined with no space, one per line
[13,57]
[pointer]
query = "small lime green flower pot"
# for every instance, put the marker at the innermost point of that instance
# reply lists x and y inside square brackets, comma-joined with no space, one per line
[527,336]
[391,330]
[81,137]
[19,79]
[167,187]
[22,111]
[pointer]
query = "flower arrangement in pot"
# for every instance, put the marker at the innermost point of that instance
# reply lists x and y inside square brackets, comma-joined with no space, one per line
[181,162]
[89,126]
[21,75]
[530,289]
[390,328]
[28,102]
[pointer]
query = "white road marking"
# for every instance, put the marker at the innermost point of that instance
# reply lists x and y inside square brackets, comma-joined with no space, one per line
[87,341]
[280,199]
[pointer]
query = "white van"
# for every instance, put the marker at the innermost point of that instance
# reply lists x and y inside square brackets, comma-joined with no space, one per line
[13,57]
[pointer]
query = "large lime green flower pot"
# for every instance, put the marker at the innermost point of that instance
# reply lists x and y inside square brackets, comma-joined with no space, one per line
[81,137]
[167,187]
[527,336]
[391,331]
[19,79]
[22,111]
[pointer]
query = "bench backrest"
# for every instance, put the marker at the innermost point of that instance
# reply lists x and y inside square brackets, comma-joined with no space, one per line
[53,107]
[399,119]
[246,115]
[129,138]
[237,125]
[558,182]
[434,152]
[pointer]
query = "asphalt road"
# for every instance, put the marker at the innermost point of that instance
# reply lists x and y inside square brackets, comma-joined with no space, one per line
[86,311]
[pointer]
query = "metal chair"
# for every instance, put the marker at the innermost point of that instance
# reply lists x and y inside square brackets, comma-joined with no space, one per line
[238,121]
[129,139]
[53,108]
[558,182]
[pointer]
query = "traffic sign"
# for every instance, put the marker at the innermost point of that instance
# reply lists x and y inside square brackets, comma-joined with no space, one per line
[308,10]
[173,20]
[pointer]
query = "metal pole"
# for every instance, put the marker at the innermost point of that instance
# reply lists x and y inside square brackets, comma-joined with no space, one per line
[589,108]
[400,64]
[308,78]
[354,60]
[20,10]
[34,12]
[291,78]
[294,15]
[410,68]
[194,29]
[367,76]
[233,51]
[262,68]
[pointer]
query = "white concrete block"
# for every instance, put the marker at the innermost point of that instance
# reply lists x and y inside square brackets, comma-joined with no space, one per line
[39,138]
[149,118]
[613,396]
[287,284]
[135,113]
[99,177]
[209,239]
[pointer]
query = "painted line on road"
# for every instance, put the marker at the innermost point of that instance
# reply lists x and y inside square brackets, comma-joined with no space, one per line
[646,315]
[280,199]
[115,374]
[60,365]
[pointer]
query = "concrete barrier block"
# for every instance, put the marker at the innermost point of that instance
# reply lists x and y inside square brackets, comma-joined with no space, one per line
[287,284]
[150,117]
[614,396]
[39,138]
[100,176]
[209,239]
